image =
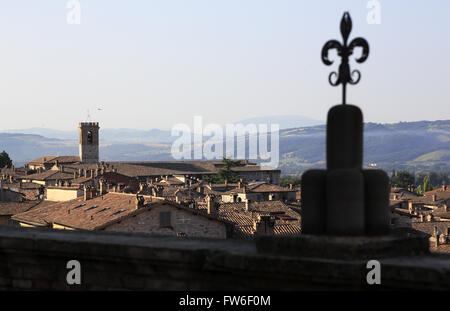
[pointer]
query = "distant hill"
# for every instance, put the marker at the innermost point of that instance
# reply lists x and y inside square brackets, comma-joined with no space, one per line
[405,145]
[284,122]
[107,135]
[412,145]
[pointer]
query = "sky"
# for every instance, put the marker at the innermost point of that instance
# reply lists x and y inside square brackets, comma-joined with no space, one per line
[155,63]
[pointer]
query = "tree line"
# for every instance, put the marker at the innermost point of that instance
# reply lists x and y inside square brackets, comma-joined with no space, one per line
[423,181]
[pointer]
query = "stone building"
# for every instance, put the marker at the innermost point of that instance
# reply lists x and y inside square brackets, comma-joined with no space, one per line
[88,142]
[126,213]
[259,192]
[144,171]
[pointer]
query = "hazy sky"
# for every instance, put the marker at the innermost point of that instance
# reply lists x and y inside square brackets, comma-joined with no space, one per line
[154,63]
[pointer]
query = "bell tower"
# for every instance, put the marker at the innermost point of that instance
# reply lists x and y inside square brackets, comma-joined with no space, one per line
[88,142]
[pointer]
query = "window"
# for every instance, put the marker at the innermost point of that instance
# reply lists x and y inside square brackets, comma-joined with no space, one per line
[89,137]
[164,219]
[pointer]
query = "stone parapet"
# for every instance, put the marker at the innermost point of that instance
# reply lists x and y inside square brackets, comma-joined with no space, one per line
[36,259]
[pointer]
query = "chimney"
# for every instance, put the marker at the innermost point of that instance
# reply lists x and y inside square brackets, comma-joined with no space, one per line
[410,206]
[226,184]
[436,236]
[74,175]
[139,201]
[248,205]
[290,187]
[178,196]
[85,195]
[102,183]
[160,190]
[265,226]
[444,188]
[240,183]
[433,198]
[210,204]
[421,217]
[445,207]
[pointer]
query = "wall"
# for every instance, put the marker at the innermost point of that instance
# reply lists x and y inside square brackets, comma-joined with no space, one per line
[182,222]
[11,196]
[272,176]
[58,195]
[39,182]
[37,258]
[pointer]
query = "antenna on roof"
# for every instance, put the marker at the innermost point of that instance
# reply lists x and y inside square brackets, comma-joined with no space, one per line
[88,117]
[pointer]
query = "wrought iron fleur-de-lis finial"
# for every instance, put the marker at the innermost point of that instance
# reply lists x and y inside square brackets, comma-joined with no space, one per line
[344,76]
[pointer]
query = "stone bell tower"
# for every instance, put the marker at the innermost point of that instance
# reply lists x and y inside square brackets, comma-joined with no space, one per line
[88,141]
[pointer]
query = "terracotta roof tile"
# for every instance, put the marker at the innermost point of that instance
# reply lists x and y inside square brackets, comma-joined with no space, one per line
[97,213]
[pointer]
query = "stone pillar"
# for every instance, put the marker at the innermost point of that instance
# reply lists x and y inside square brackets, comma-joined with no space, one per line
[313,201]
[344,137]
[344,199]
[376,201]
[1,191]
[345,202]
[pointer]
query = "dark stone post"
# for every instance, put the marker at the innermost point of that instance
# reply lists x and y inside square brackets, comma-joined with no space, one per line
[345,199]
